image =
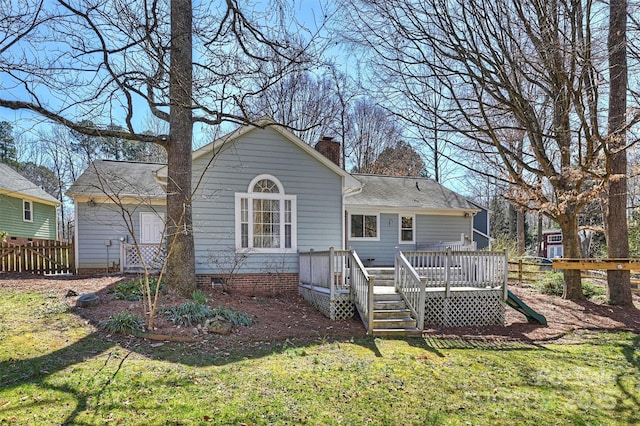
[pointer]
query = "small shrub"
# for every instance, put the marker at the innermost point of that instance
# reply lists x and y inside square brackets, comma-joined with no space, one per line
[188,314]
[592,290]
[132,290]
[123,323]
[199,297]
[234,316]
[552,284]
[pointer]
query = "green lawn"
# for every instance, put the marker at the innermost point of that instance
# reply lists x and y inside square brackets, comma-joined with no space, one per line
[54,369]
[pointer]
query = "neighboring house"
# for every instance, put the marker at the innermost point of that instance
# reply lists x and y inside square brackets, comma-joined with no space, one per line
[261,196]
[481,227]
[552,243]
[27,212]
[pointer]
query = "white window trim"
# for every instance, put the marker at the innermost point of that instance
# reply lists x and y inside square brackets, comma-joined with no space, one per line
[413,229]
[554,238]
[250,196]
[376,238]
[261,177]
[30,220]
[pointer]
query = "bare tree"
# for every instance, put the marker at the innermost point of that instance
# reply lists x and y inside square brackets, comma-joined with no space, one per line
[372,129]
[619,290]
[114,62]
[303,102]
[510,71]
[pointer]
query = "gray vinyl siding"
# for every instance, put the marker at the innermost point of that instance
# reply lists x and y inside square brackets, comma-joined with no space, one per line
[318,192]
[482,242]
[102,223]
[429,229]
[480,221]
[43,225]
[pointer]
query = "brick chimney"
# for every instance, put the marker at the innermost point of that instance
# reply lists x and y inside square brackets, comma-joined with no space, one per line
[329,148]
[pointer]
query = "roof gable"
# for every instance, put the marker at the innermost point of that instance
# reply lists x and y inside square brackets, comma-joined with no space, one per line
[15,185]
[350,182]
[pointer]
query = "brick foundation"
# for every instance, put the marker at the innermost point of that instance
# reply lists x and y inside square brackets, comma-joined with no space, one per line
[261,284]
[98,271]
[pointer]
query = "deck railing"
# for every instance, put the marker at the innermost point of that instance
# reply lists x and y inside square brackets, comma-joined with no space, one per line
[327,269]
[460,268]
[136,259]
[410,286]
[335,271]
[362,290]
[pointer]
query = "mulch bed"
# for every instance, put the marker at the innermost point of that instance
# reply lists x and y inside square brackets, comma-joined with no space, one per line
[291,317]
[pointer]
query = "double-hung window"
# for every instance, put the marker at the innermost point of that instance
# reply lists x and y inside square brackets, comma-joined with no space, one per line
[27,211]
[407,228]
[363,226]
[265,217]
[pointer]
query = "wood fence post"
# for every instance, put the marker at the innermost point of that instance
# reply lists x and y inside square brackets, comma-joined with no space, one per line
[520,271]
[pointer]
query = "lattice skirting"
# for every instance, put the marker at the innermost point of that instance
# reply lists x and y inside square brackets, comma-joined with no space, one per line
[465,308]
[338,309]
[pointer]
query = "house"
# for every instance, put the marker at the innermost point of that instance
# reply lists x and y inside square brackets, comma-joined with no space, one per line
[262,196]
[481,227]
[27,212]
[552,243]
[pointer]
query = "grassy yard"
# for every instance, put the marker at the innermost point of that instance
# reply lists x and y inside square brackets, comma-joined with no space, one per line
[55,369]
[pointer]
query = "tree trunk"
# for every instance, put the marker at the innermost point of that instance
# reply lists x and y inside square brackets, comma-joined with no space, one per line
[539,237]
[181,262]
[571,246]
[618,282]
[522,244]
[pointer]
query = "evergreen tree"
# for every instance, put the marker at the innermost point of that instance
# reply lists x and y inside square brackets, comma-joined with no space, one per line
[8,150]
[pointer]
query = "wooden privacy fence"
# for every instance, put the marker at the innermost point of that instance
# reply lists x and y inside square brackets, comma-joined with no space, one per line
[38,257]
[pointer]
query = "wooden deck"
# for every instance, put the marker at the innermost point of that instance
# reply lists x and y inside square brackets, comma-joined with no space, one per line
[451,288]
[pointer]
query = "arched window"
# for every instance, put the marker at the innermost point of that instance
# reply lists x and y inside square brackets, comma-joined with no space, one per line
[265,217]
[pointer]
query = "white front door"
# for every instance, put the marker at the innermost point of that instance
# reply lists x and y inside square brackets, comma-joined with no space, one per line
[151,227]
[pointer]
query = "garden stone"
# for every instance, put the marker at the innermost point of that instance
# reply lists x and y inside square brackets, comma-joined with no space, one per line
[218,325]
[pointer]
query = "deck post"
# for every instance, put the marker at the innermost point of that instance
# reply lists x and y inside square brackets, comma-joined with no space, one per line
[447,273]
[311,268]
[396,273]
[370,305]
[332,284]
[505,290]
[422,301]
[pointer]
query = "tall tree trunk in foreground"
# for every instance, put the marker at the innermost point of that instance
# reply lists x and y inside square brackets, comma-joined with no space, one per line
[619,290]
[571,245]
[181,264]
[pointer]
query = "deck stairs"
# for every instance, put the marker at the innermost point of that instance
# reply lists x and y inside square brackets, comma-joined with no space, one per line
[391,317]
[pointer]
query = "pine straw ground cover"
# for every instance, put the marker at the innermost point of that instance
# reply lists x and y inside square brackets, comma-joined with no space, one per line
[56,367]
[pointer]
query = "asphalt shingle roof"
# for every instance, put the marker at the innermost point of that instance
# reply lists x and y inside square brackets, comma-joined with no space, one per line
[406,192]
[118,178]
[13,183]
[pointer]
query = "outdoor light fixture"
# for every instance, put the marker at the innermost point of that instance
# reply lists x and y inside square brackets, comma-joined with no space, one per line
[91,203]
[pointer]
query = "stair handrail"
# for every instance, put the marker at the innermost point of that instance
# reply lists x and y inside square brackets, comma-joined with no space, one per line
[410,287]
[362,290]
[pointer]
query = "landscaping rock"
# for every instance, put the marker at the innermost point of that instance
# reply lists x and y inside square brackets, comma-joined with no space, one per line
[218,325]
